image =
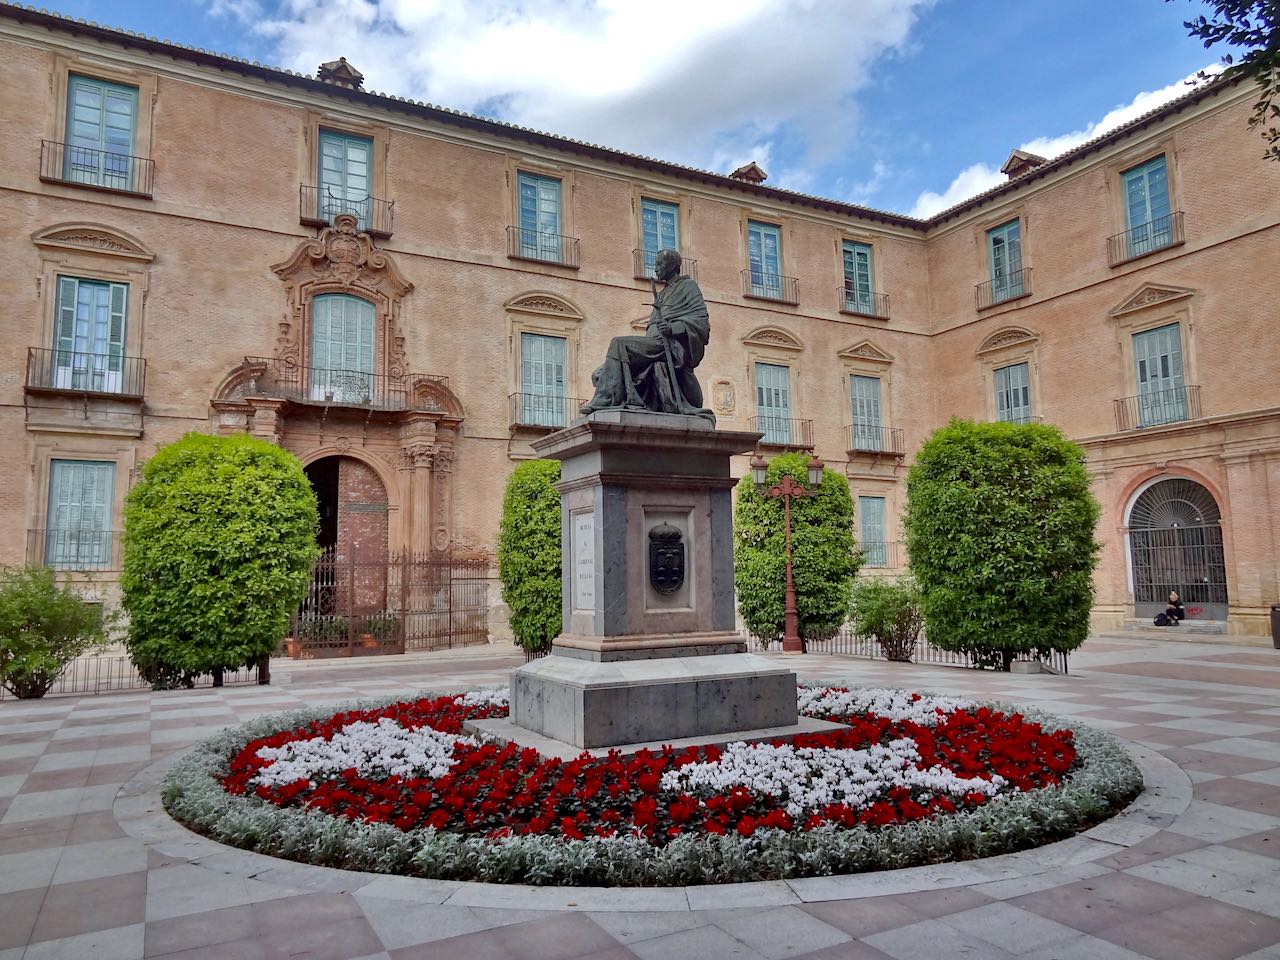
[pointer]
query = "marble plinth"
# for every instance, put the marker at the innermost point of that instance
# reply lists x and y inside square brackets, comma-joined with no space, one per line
[591,703]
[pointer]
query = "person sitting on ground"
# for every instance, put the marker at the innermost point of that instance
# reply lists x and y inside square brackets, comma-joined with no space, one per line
[1174,611]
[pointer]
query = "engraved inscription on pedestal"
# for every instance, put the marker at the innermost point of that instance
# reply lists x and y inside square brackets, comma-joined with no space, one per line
[584,561]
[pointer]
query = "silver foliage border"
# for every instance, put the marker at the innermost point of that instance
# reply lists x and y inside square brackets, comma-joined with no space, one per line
[1105,780]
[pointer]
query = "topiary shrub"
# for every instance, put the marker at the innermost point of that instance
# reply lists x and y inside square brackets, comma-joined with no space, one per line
[43,627]
[529,553]
[999,528]
[219,541]
[824,560]
[889,612]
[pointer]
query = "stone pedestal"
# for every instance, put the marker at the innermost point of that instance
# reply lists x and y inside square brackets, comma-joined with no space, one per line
[637,663]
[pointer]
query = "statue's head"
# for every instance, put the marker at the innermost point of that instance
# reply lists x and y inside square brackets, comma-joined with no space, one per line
[666,265]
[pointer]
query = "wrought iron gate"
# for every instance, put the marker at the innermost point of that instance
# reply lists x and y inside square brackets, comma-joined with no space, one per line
[1175,543]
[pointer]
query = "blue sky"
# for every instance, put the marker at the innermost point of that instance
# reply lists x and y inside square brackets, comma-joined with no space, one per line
[904,105]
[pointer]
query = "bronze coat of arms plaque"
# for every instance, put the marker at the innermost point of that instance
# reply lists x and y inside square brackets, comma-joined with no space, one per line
[666,558]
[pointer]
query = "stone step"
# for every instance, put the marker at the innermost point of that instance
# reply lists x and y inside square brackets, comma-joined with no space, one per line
[1200,628]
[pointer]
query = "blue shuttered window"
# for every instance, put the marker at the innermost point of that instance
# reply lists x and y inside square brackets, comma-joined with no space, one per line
[89,334]
[540,233]
[1162,393]
[100,126]
[864,393]
[871,533]
[542,377]
[78,534]
[345,176]
[773,402]
[858,289]
[1004,256]
[659,229]
[1146,199]
[1013,393]
[764,258]
[342,348]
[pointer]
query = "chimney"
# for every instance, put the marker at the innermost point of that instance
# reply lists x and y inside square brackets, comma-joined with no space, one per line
[749,173]
[340,73]
[1020,162]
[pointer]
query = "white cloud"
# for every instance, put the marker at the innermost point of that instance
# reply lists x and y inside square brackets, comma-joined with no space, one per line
[981,177]
[714,83]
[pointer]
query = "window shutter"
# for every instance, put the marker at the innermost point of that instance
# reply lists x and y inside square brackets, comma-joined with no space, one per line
[542,377]
[1157,355]
[1013,393]
[865,395]
[764,248]
[773,402]
[100,125]
[857,274]
[78,534]
[871,531]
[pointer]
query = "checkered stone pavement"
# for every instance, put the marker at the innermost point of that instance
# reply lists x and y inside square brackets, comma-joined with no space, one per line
[90,867]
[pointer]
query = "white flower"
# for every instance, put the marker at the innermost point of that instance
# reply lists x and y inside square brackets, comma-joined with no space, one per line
[488,697]
[895,705]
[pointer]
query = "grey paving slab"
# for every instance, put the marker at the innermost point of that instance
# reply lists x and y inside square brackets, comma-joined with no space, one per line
[699,943]
[934,940]
[778,932]
[103,858]
[1216,823]
[59,803]
[1008,927]
[117,943]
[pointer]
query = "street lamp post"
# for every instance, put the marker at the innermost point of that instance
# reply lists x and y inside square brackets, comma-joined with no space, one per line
[787,489]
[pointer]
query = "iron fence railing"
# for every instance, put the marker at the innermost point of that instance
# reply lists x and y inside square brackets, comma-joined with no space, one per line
[1158,407]
[1146,238]
[73,550]
[847,643]
[524,243]
[770,286]
[87,166]
[343,388]
[318,206]
[872,438]
[73,372]
[642,263]
[1007,286]
[862,302]
[783,432]
[536,410]
[87,676]
[881,554]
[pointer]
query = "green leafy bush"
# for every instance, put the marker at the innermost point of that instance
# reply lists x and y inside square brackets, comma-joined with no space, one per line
[999,528]
[529,553]
[889,612]
[219,540]
[823,558]
[43,627]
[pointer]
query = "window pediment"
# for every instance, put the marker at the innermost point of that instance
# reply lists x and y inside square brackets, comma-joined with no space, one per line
[865,350]
[92,238]
[773,337]
[1150,295]
[544,304]
[1008,337]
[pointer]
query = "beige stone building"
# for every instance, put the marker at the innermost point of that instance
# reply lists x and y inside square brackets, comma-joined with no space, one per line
[406,296]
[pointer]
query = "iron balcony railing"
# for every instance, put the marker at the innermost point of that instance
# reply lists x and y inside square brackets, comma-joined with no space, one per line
[642,263]
[318,206]
[89,167]
[524,243]
[863,303]
[71,372]
[872,438]
[1145,238]
[881,554]
[1021,418]
[537,410]
[783,432]
[1158,407]
[770,286]
[1007,286]
[339,388]
[75,549]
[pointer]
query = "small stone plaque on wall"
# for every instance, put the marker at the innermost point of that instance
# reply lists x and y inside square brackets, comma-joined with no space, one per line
[584,561]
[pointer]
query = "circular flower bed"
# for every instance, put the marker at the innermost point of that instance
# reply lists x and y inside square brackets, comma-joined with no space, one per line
[401,787]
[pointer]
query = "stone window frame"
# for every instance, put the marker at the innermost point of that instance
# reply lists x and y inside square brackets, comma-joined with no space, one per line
[887,488]
[865,359]
[992,220]
[97,449]
[90,251]
[309,148]
[641,192]
[1150,307]
[874,241]
[549,315]
[786,240]
[774,345]
[64,65]
[1114,170]
[567,176]
[1006,347]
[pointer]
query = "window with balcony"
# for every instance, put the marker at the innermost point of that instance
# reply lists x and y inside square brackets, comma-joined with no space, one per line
[859,294]
[101,119]
[1004,258]
[78,533]
[1013,393]
[539,235]
[89,337]
[864,393]
[773,404]
[542,401]
[1158,371]
[871,532]
[342,349]
[344,177]
[659,230]
[763,276]
[1150,224]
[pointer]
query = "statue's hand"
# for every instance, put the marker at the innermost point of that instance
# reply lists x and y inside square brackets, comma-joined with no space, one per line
[664,326]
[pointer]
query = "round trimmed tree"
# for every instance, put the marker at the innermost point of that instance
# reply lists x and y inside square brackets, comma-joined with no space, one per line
[529,553]
[824,559]
[219,541]
[999,528]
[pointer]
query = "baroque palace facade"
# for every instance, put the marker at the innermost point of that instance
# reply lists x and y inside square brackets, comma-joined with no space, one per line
[406,296]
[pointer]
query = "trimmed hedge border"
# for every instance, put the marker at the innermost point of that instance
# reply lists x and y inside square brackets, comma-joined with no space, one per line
[1105,781]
